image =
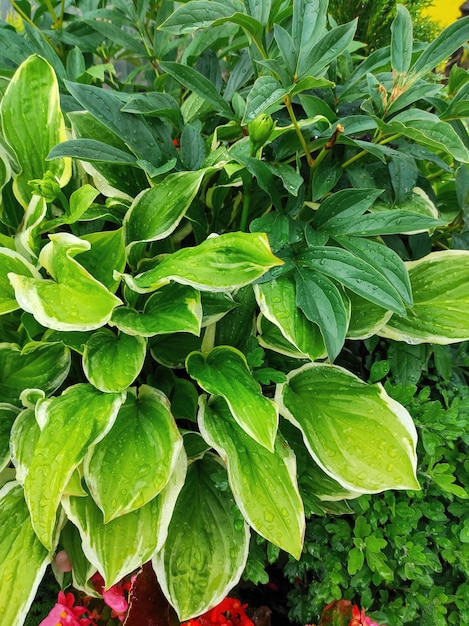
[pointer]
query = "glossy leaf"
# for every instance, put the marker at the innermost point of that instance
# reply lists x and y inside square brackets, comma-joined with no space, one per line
[172,309]
[24,558]
[441,296]
[266,91]
[38,365]
[74,300]
[11,261]
[156,212]
[355,432]
[384,259]
[134,461]
[323,304]
[270,337]
[111,363]
[69,424]
[225,372]
[92,150]
[33,124]
[23,438]
[82,569]
[199,13]
[207,545]
[271,504]
[197,83]
[366,318]
[221,263]
[105,256]
[147,602]
[326,50]
[401,40]
[354,273]
[277,300]
[343,207]
[143,531]
[8,414]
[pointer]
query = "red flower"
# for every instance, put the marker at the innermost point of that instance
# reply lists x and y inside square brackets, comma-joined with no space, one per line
[65,613]
[230,612]
[115,597]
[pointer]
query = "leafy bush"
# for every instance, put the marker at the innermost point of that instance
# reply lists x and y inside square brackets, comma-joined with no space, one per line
[184,254]
[404,554]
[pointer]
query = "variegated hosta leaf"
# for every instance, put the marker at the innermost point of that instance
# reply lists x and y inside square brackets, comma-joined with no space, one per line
[111,363]
[23,557]
[207,545]
[263,482]
[440,284]
[33,124]
[277,301]
[82,569]
[221,263]
[69,424]
[106,255]
[366,318]
[312,480]
[123,544]
[24,435]
[11,261]
[38,365]
[156,212]
[8,414]
[355,432]
[74,300]
[225,372]
[135,460]
[270,337]
[28,237]
[172,309]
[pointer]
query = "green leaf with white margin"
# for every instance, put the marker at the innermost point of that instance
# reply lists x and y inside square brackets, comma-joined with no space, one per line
[106,255]
[28,238]
[221,263]
[135,460]
[155,213]
[82,569]
[366,318]
[8,414]
[271,503]
[11,261]
[270,337]
[142,532]
[74,300]
[440,284]
[69,425]
[111,363]
[172,309]
[277,302]
[33,124]
[25,433]
[207,545]
[355,432]
[225,372]
[24,558]
[38,365]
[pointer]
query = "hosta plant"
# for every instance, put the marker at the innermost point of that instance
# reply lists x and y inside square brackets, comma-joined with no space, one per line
[185,250]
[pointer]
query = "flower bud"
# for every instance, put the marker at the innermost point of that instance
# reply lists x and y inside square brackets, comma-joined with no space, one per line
[47,187]
[260,130]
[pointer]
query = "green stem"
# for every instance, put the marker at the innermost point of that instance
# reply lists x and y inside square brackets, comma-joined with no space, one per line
[291,113]
[52,13]
[22,14]
[247,188]
[209,339]
[362,153]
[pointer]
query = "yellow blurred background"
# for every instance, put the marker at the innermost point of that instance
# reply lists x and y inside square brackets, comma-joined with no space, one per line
[444,11]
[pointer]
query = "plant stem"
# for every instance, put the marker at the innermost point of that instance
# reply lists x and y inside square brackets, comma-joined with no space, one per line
[291,113]
[247,188]
[22,14]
